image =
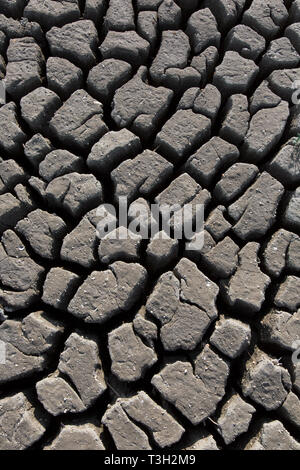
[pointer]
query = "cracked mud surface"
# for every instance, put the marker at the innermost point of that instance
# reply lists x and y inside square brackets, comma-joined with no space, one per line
[149,345]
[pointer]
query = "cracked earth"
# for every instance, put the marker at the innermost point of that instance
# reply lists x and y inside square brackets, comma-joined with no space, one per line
[149,344]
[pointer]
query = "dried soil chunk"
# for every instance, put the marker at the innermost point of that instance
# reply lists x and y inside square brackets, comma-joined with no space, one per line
[273,436]
[13,301]
[12,8]
[265,382]
[173,53]
[291,216]
[246,288]
[20,427]
[184,303]
[58,163]
[184,131]
[119,244]
[206,62]
[139,105]
[202,30]
[126,434]
[144,328]
[120,15]
[276,252]
[280,55]
[11,210]
[112,149]
[130,357]
[231,337]
[282,82]
[59,287]
[63,77]
[76,193]
[161,251]
[38,186]
[105,78]
[294,123]
[211,158]
[294,12]
[293,33]
[121,285]
[43,231]
[164,429]
[76,437]
[127,45]
[287,296]
[206,101]
[20,29]
[180,80]
[76,42]
[52,13]
[36,149]
[147,26]
[226,12]
[196,397]
[28,344]
[12,137]
[58,397]
[293,255]
[149,4]
[18,272]
[263,97]
[3,42]
[235,74]
[181,192]
[296,376]
[281,329]
[10,175]
[290,410]
[285,166]
[169,15]
[265,17]
[235,418]
[234,181]
[247,42]
[38,107]
[80,245]
[2,74]
[81,363]
[81,129]
[201,441]
[24,68]
[255,211]
[94,10]
[148,171]
[141,217]
[236,122]
[195,252]
[216,224]
[222,260]
[25,197]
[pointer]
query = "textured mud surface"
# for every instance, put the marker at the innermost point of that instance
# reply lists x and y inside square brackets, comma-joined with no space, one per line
[149,345]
